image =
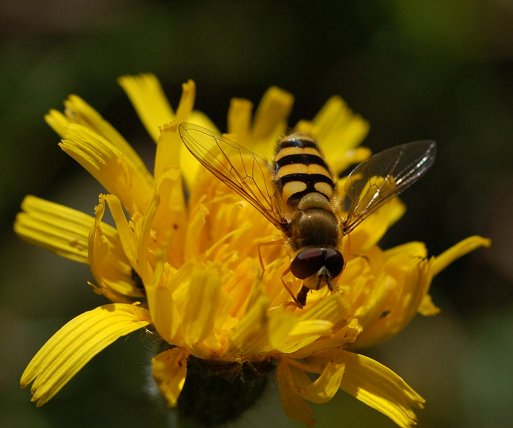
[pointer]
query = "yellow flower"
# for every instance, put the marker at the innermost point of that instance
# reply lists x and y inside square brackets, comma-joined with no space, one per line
[185,265]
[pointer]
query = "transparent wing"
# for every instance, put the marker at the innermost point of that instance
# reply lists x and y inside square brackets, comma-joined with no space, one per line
[383,176]
[240,169]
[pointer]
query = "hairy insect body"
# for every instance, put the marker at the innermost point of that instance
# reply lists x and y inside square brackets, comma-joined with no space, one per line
[300,169]
[306,188]
[313,227]
[299,197]
[305,185]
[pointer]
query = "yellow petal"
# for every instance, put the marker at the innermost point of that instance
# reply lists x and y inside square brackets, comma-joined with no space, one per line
[170,221]
[109,166]
[338,130]
[76,343]
[60,229]
[352,157]
[168,149]
[189,165]
[239,118]
[380,388]
[186,103]
[249,335]
[272,112]
[199,118]
[412,249]
[457,251]
[395,298]
[185,303]
[333,308]
[439,263]
[57,121]
[306,127]
[160,302]
[167,297]
[369,233]
[293,404]
[204,293]
[126,235]
[196,232]
[109,264]
[324,387]
[169,369]
[168,171]
[339,338]
[81,113]
[289,333]
[427,308]
[270,121]
[243,287]
[147,253]
[149,101]
[311,328]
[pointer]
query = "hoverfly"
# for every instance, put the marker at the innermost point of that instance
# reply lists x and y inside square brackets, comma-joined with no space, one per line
[297,193]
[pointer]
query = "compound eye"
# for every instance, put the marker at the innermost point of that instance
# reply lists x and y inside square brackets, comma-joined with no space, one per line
[334,262]
[308,262]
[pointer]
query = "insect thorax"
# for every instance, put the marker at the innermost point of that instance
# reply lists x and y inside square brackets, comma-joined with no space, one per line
[314,224]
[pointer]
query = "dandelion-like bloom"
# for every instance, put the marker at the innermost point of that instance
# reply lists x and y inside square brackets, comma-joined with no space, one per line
[184,265]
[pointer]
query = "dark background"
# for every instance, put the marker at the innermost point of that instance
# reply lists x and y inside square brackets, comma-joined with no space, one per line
[439,70]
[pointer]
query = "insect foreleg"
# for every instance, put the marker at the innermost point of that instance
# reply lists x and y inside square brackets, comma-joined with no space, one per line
[300,300]
[266,244]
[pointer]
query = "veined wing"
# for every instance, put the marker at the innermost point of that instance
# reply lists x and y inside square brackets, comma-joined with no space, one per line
[383,176]
[239,168]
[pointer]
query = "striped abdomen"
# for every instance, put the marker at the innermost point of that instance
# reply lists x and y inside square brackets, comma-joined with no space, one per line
[300,169]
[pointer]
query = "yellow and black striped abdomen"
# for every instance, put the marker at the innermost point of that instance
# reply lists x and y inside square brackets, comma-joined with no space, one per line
[300,169]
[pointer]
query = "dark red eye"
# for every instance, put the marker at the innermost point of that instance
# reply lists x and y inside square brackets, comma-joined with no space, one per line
[310,260]
[307,262]
[334,262]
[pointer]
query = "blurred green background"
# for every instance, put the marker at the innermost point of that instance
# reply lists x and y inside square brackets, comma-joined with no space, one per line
[439,70]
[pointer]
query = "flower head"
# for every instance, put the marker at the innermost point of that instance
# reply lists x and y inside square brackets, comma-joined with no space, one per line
[187,264]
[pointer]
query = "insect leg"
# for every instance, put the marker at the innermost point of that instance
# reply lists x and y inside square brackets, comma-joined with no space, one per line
[296,301]
[266,244]
[301,296]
